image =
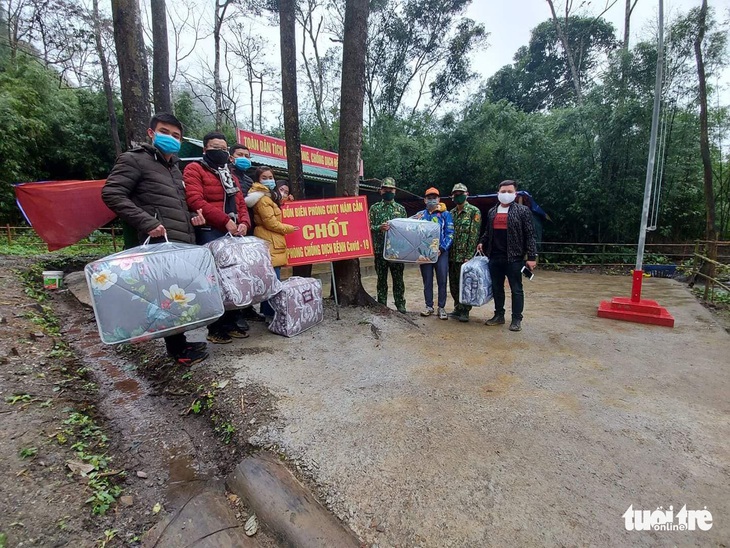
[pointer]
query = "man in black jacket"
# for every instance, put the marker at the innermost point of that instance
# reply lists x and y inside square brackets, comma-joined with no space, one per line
[508,237]
[145,189]
[242,168]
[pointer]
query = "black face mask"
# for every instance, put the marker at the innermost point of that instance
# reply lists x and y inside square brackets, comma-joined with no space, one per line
[216,157]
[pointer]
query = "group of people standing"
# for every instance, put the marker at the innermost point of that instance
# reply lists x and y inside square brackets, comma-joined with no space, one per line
[508,240]
[224,194]
[218,195]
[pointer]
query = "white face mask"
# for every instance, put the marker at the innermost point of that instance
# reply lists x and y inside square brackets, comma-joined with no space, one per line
[506,198]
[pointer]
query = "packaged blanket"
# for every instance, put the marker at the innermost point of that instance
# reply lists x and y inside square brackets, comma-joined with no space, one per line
[475,282]
[297,307]
[412,241]
[153,291]
[245,271]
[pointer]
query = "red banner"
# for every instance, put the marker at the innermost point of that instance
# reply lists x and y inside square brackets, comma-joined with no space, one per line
[63,212]
[273,147]
[263,145]
[330,230]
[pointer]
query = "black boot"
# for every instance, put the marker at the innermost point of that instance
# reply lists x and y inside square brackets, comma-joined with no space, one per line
[497,319]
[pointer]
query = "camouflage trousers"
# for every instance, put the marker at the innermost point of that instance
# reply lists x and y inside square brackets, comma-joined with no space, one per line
[399,288]
[454,277]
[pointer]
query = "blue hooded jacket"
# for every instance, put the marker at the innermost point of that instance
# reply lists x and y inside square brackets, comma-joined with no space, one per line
[446,221]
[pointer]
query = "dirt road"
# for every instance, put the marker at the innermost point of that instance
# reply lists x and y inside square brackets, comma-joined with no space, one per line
[452,434]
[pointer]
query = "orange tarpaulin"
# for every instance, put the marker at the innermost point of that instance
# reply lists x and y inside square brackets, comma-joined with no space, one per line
[63,212]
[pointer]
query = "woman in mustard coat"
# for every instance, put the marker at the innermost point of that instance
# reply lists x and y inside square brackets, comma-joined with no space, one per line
[262,198]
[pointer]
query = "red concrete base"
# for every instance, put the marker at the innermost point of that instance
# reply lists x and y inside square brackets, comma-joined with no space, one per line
[642,311]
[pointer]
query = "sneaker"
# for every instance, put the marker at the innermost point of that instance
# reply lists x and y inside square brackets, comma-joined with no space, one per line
[442,314]
[237,332]
[427,312]
[455,314]
[497,319]
[401,309]
[189,357]
[516,325]
[464,317]
[219,338]
[197,346]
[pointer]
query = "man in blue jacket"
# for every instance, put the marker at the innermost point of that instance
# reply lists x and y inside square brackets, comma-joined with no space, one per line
[436,212]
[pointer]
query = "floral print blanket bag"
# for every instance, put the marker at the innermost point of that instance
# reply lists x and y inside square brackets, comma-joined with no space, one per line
[154,291]
[412,241]
[245,271]
[297,307]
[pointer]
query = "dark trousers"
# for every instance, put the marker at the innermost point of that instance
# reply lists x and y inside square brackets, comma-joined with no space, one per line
[225,323]
[441,268]
[454,279]
[266,309]
[499,270]
[175,344]
[396,271]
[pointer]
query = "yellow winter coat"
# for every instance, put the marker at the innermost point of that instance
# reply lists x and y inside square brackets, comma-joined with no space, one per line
[267,221]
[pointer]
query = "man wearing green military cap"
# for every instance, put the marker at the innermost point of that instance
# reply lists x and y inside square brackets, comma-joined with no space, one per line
[380,213]
[467,224]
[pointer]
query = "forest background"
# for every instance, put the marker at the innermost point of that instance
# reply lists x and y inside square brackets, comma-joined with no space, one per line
[569,118]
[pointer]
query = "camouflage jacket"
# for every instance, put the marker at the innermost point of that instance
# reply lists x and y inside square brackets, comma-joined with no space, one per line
[380,213]
[467,227]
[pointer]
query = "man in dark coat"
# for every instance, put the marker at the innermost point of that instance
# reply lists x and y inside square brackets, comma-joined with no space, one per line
[145,189]
[509,236]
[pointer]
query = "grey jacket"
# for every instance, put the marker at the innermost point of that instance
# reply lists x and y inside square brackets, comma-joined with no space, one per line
[146,191]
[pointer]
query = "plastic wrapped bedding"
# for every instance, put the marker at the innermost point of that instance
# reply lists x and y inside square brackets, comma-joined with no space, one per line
[412,241]
[297,307]
[475,282]
[245,271]
[153,291]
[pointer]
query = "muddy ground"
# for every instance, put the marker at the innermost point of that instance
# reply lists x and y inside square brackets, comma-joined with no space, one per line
[414,431]
[59,386]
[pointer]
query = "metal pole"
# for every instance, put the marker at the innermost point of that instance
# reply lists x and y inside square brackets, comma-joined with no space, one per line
[334,289]
[636,290]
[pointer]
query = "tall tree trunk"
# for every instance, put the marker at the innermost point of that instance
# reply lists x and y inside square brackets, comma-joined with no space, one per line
[160,58]
[710,226]
[108,92]
[133,77]
[287,29]
[568,53]
[220,14]
[347,273]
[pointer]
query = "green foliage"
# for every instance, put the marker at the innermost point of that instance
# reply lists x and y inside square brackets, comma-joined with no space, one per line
[28,452]
[49,131]
[540,76]
[412,41]
[89,440]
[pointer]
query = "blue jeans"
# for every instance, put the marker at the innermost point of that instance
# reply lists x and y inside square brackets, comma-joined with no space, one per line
[266,309]
[442,272]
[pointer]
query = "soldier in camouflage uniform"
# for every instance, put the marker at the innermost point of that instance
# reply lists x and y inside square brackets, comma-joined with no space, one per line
[380,214]
[467,224]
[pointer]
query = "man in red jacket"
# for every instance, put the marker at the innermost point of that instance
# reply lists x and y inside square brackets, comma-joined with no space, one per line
[211,188]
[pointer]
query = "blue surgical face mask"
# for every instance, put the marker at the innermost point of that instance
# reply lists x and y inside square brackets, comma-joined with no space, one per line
[432,202]
[242,163]
[269,183]
[166,143]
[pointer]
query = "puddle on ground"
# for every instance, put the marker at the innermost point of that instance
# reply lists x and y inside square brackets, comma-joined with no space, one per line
[185,477]
[131,389]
